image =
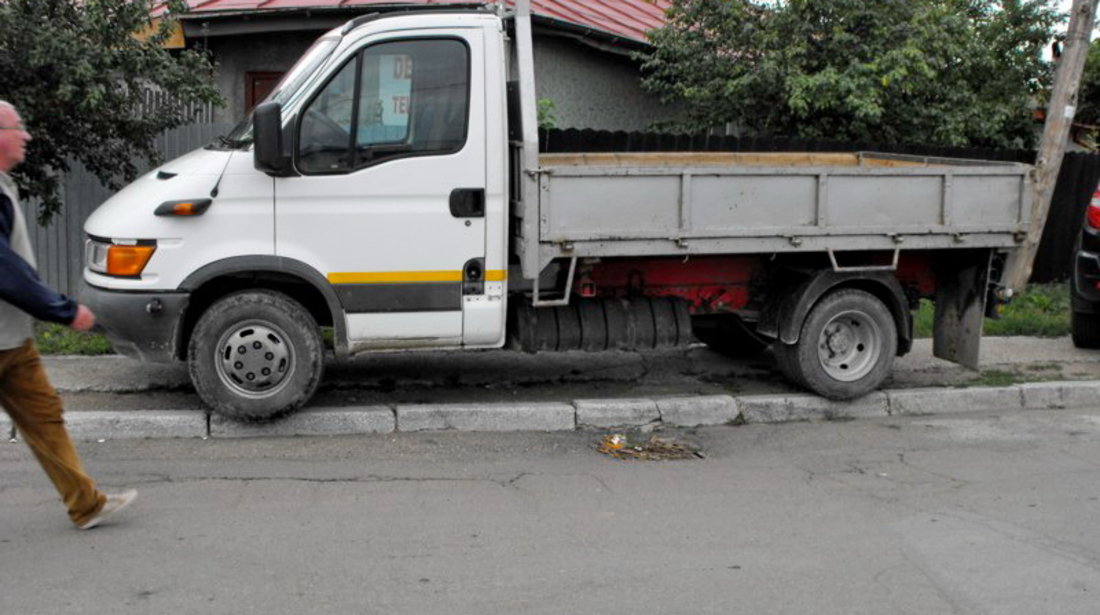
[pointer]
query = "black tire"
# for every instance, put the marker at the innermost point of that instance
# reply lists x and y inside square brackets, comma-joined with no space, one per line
[845,348]
[728,335]
[784,360]
[256,355]
[1085,329]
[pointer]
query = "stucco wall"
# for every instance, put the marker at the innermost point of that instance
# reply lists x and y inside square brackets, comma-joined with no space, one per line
[590,88]
[237,55]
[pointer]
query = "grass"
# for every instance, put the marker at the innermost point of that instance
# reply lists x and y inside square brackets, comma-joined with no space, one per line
[1002,378]
[58,339]
[995,378]
[1041,310]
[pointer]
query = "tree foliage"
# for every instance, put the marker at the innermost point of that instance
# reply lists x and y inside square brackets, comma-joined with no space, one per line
[951,72]
[90,90]
[1088,98]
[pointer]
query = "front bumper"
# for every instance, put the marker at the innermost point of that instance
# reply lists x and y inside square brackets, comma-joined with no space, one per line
[140,325]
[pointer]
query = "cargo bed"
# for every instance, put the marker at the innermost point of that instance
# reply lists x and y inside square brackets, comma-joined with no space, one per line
[634,204]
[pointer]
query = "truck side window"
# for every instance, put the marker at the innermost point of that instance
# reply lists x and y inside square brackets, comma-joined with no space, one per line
[410,98]
[325,132]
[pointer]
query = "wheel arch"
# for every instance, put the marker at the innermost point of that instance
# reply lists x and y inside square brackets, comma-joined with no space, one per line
[293,278]
[798,292]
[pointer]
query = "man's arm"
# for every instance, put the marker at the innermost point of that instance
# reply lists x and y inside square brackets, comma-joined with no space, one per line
[20,284]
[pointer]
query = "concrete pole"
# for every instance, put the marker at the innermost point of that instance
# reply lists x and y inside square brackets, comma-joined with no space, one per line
[1059,117]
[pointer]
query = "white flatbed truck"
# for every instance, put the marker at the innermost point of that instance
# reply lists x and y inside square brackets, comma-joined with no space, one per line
[392,188]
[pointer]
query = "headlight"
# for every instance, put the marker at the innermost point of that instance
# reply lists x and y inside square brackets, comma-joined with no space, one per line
[95,255]
[125,259]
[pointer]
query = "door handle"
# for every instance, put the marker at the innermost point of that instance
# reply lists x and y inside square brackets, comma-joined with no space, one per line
[468,202]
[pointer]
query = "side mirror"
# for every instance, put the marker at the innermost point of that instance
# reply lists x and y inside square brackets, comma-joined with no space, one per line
[267,140]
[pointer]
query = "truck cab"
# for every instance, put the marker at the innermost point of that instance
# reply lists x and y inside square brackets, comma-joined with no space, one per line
[383,216]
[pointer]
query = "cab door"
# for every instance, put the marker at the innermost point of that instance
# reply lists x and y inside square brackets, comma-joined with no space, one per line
[389,203]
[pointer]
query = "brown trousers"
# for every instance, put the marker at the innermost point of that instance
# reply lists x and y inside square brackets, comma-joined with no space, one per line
[35,409]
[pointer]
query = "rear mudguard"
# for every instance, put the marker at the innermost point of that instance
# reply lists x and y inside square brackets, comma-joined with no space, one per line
[796,292]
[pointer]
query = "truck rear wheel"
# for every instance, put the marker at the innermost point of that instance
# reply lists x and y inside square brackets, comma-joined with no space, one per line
[256,355]
[846,346]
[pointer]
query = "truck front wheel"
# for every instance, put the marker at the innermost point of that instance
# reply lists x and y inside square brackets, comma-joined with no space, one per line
[256,355]
[845,348]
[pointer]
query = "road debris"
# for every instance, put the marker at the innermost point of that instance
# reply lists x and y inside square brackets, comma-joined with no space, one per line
[655,448]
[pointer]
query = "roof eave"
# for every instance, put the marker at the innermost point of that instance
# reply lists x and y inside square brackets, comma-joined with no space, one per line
[233,23]
[600,39]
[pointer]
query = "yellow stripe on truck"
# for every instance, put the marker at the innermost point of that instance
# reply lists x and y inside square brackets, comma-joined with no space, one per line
[407,277]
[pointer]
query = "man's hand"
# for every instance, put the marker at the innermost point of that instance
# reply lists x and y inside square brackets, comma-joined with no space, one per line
[84,320]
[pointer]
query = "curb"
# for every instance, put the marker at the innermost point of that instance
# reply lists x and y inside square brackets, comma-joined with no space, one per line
[689,411]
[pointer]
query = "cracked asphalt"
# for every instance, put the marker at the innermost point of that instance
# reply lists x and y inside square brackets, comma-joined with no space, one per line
[955,513]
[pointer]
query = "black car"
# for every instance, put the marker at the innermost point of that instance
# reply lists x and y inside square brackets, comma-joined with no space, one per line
[1085,298]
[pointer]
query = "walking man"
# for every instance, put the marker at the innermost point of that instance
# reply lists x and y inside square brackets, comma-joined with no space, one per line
[25,392]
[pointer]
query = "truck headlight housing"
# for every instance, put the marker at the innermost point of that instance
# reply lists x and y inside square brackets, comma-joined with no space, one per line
[118,258]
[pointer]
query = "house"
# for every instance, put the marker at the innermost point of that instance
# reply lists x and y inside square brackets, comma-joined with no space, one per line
[583,50]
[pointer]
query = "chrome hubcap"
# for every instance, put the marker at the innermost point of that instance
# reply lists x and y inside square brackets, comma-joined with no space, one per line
[849,346]
[254,359]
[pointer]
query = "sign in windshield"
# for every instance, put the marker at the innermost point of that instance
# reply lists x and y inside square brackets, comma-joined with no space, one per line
[394,87]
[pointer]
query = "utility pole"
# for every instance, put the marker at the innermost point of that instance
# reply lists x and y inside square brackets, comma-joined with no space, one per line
[1052,148]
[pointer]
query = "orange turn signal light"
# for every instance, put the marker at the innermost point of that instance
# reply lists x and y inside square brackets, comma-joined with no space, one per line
[128,260]
[189,207]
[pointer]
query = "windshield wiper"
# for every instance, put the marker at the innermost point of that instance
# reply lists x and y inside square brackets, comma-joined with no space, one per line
[225,142]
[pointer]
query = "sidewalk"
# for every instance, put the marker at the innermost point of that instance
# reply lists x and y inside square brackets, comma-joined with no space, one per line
[114,397]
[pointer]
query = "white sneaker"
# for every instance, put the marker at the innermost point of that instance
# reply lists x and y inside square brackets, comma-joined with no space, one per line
[115,502]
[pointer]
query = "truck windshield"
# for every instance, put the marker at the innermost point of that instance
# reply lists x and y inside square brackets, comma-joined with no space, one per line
[241,135]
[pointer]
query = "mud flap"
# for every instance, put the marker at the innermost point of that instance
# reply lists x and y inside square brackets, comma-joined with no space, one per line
[960,307]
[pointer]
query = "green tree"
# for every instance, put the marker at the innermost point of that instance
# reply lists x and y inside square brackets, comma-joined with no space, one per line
[89,89]
[1088,98]
[952,72]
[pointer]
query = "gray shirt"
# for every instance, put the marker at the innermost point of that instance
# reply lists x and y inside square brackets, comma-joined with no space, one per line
[23,296]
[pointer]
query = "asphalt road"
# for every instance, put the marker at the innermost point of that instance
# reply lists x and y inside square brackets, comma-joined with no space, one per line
[967,513]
